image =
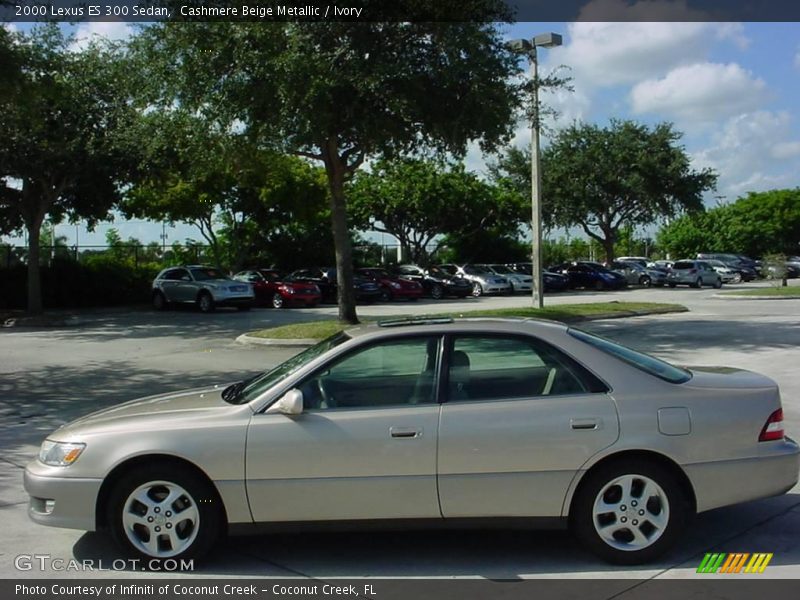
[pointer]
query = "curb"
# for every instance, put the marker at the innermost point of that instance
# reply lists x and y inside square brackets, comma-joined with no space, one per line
[275,342]
[304,343]
[756,297]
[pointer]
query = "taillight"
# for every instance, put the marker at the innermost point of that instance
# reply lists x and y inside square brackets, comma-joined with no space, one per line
[773,428]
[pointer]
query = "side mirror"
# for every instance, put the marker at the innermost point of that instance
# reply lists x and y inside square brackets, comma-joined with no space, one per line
[291,403]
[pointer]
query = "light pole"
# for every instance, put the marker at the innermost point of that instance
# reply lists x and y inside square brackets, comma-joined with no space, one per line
[543,40]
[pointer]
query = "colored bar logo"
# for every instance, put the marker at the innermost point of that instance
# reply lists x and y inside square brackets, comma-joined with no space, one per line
[734,562]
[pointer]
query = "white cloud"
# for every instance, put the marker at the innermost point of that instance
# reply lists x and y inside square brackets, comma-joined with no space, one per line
[605,54]
[111,30]
[699,92]
[10,27]
[751,152]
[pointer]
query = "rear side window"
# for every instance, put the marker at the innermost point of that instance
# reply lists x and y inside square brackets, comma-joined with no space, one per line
[683,264]
[643,362]
[496,367]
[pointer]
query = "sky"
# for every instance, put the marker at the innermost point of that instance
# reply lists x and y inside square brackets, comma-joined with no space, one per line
[732,89]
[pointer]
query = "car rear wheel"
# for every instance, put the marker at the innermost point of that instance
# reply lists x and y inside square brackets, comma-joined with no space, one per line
[645,281]
[672,285]
[164,513]
[159,301]
[630,511]
[437,292]
[277,300]
[599,286]
[718,284]
[477,289]
[699,283]
[386,296]
[205,302]
[737,278]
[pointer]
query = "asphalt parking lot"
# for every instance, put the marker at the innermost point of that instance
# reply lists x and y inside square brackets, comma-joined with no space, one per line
[49,376]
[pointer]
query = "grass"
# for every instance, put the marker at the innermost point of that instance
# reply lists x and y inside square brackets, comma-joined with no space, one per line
[770,291]
[318,330]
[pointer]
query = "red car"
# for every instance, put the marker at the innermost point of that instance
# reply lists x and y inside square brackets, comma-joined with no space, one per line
[271,289]
[392,288]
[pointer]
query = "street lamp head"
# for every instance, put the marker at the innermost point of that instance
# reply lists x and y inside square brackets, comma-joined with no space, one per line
[547,40]
[519,46]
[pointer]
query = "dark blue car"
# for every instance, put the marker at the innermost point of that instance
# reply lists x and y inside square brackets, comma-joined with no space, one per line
[589,275]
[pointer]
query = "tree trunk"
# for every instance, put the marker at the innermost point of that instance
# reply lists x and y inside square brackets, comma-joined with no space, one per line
[34,274]
[335,170]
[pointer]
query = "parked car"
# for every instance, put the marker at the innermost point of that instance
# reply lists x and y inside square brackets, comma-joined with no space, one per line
[694,273]
[272,289]
[520,282]
[635,274]
[551,282]
[748,268]
[325,279]
[392,288]
[661,265]
[390,422]
[435,282]
[728,274]
[790,270]
[484,281]
[200,285]
[590,275]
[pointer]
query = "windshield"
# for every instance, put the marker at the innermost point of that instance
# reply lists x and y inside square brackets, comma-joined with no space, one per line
[683,264]
[205,274]
[475,270]
[266,380]
[643,362]
[501,269]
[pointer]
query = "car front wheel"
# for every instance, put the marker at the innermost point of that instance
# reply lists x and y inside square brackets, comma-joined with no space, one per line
[277,300]
[159,301]
[437,292]
[164,513]
[477,289]
[205,302]
[630,511]
[645,281]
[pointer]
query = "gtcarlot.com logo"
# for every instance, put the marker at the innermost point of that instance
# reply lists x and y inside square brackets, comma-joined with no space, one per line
[735,562]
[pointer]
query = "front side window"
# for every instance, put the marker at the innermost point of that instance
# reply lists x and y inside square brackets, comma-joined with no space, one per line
[388,373]
[499,367]
[206,274]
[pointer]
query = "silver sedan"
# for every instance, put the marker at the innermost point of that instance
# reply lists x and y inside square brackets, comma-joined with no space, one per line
[426,423]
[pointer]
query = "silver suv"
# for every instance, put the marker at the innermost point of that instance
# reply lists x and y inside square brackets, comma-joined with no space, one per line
[694,273]
[206,287]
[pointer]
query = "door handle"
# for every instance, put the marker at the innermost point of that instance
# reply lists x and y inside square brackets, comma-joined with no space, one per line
[405,432]
[585,423]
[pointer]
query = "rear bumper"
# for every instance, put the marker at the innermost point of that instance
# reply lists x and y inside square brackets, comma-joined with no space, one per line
[721,483]
[60,501]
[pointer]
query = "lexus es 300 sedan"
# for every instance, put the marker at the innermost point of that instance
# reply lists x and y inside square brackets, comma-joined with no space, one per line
[429,422]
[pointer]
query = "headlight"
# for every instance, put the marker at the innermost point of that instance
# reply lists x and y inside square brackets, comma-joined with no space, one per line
[60,454]
[395,285]
[288,290]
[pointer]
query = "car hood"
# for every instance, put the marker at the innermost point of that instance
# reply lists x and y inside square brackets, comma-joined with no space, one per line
[178,405]
[728,378]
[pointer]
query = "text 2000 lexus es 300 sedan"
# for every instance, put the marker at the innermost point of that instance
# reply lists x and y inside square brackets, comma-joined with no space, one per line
[426,422]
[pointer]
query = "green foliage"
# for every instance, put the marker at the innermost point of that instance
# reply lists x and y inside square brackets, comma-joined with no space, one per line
[417,201]
[339,92]
[60,153]
[604,179]
[759,224]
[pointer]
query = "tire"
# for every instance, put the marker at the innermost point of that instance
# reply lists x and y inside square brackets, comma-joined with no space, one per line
[159,301]
[205,302]
[698,284]
[477,290]
[190,524]
[602,503]
[437,292]
[718,284]
[645,281]
[599,286]
[277,300]
[386,296]
[737,278]
[672,285]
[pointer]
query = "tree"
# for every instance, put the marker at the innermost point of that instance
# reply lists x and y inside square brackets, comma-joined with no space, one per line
[58,152]
[761,223]
[419,201]
[339,92]
[604,179]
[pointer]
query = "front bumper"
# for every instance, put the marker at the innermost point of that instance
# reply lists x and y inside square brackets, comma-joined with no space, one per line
[721,483]
[59,501]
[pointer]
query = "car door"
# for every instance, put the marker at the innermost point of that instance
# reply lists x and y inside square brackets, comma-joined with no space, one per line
[364,446]
[519,420]
[171,284]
